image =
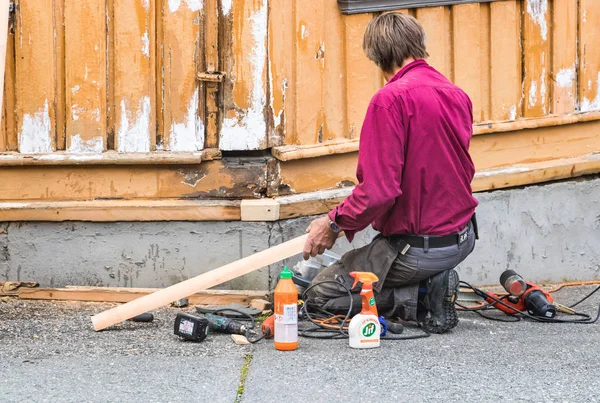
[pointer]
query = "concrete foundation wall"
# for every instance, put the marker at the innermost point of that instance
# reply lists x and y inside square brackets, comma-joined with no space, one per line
[546,232]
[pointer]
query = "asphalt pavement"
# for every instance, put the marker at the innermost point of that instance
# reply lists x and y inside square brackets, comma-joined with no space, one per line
[49,353]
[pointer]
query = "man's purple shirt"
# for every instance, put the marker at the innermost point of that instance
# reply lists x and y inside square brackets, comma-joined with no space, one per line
[414,169]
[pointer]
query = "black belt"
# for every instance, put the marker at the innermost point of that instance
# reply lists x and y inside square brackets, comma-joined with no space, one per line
[431,242]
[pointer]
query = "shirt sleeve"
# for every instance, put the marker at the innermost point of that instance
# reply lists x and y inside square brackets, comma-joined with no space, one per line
[379,172]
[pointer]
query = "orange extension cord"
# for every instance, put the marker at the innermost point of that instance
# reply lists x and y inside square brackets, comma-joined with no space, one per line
[555,289]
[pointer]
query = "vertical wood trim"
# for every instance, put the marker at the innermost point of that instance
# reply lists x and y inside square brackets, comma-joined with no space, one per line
[589,55]
[111,103]
[537,57]
[467,53]
[134,75]
[212,64]
[564,56]
[86,77]
[363,77]
[9,123]
[437,24]
[34,48]
[244,126]
[281,69]
[183,129]
[505,60]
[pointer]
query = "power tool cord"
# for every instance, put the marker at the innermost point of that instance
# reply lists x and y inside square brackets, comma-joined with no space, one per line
[584,318]
[320,331]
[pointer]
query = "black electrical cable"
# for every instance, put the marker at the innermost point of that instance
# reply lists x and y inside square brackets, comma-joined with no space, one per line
[584,318]
[584,298]
[320,332]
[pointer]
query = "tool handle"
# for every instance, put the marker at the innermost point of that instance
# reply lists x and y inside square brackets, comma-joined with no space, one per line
[144,317]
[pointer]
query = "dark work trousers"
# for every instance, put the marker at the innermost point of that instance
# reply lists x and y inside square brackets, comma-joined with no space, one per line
[396,292]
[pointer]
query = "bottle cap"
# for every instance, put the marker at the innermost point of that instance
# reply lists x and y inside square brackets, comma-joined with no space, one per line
[286,273]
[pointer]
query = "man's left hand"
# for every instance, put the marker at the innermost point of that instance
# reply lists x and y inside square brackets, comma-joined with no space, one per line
[320,237]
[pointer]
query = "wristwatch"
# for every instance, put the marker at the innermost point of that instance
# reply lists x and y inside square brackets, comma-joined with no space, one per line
[334,227]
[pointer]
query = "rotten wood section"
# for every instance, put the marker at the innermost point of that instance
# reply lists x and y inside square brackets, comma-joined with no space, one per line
[115,294]
[110,158]
[11,288]
[295,152]
[231,178]
[122,210]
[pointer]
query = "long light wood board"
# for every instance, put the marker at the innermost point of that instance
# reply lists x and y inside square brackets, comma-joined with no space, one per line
[198,283]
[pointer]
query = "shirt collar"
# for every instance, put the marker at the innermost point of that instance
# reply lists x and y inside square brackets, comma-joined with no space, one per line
[407,68]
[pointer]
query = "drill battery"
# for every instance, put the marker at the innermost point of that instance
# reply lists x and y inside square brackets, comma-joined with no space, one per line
[190,327]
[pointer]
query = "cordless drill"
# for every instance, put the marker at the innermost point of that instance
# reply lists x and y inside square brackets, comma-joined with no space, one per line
[523,296]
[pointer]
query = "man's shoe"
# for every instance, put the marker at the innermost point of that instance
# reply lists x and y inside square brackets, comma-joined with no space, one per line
[441,295]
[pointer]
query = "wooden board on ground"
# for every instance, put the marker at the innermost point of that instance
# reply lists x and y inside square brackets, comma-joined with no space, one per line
[115,294]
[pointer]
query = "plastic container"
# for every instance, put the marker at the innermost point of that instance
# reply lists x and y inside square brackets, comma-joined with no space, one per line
[286,312]
[364,329]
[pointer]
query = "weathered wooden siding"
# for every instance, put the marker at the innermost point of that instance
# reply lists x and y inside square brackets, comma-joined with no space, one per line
[150,82]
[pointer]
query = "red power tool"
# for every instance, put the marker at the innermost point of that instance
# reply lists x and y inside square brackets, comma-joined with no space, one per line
[523,296]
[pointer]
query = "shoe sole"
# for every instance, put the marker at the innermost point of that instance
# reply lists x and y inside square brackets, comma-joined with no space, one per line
[449,307]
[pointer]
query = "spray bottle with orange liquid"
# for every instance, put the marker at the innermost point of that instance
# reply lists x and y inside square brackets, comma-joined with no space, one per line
[364,329]
[286,312]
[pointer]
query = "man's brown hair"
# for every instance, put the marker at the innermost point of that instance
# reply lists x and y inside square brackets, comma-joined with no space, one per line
[391,38]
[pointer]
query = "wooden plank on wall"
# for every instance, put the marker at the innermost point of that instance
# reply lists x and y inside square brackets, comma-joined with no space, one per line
[8,136]
[282,55]
[59,73]
[363,77]
[437,23]
[486,60]
[34,48]
[537,57]
[85,75]
[467,53]
[564,56]
[331,56]
[309,65]
[183,129]
[589,55]
[505,60]
[211,63]
[245,62]
[134,75]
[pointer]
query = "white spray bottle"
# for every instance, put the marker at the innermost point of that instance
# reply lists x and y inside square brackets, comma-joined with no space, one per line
[364,329]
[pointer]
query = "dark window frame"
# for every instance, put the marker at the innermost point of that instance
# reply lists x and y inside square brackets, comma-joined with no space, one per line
[371,6]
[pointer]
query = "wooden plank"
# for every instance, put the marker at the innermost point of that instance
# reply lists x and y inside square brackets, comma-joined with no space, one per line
[122,210]
[259,210]
[467,53]
[115,294]
[211,64]
[204,281]
[4,38]
[8,137]
[282,54]
[134,75]
[564,56]
[485,66]
[321,202]
[505,60]
[245,59]
[537,57]
[589,55]
[363,77]
[183,129]
[9,159]
[211,179]
[59,73]
[333,62]
[85,76]
[310,63]
[34,48]
[438,27]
